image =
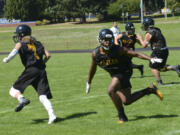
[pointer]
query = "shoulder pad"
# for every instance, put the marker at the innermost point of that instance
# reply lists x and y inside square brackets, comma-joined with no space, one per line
[123,33]
[96,50]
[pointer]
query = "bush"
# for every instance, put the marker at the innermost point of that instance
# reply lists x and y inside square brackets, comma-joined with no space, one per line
[43,22]
[100,17]
[38,23]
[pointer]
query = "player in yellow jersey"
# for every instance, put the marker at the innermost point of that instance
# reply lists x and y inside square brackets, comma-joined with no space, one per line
[32,54]
[117,62]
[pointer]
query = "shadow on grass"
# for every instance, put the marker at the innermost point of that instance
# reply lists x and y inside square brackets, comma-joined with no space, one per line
[146,76]
[76,115]
[158,116]
[171,83]
[143,76]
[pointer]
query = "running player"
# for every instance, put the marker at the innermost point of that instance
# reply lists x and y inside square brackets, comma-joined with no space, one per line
[128,39]
[155,39]
[116,60]
[31,53]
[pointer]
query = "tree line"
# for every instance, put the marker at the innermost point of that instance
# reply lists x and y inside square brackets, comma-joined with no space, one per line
[61,10]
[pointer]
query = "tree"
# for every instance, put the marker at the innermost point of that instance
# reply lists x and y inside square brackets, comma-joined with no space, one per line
[2,3]
[55,11]
[83,7]
[77,8]
[173,5]
[100,9]
[153,5]
[130,6]
[69,9]
[25,10]
[80,8]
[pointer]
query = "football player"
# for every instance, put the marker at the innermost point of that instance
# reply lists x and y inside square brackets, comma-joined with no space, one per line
[128,39]
[155,39]
[31,53]
[117,62]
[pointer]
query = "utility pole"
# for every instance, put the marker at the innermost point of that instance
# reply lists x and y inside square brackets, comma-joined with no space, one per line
[141,6]
[122,7]
[166,9]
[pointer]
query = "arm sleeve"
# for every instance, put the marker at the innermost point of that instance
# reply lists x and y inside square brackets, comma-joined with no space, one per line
[12,54]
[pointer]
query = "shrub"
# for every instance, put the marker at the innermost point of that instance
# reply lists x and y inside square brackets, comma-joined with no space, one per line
[45,21]
[38,23]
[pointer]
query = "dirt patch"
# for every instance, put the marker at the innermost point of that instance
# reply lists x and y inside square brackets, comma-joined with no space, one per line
[16,24]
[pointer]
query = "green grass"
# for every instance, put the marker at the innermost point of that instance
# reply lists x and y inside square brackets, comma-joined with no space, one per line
[68,36]
[92,114]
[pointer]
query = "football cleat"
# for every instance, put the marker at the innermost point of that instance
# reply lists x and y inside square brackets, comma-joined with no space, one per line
[21,105]
[121,121]
[122,117]
[156,91]
[178,70]
[52,119]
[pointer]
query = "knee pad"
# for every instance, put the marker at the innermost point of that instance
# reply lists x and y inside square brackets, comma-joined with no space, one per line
[13,92]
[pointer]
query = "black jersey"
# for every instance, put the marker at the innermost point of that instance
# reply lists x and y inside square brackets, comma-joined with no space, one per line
[114,62]
[32,54]
[128,42]
[157,39]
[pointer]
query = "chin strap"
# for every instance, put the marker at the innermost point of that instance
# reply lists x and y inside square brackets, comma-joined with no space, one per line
[105,48]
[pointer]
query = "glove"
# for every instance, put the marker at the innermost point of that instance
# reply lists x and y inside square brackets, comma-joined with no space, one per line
[88,86]
[156,60]
[5,60]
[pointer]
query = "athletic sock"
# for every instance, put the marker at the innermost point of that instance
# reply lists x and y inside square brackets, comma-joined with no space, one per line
[137,66]
[47,104]
[159,81]
[122,115]
[172,67]
[146,91]
[20,98]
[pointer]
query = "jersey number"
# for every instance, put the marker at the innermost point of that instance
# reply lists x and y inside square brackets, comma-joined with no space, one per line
[33,48]
[108,62]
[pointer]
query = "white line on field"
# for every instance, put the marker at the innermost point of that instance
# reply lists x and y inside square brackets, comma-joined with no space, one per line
[86,97]
[168,85]
[58,101]
[5,111]
[78,99]
[174,132]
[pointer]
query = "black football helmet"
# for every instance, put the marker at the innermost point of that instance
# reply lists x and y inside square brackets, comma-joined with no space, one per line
[130,28]
[107,35]
[21,31]
[147,22]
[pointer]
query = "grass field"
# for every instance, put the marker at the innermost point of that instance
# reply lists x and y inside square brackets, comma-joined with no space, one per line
[92,114]
[84,36]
